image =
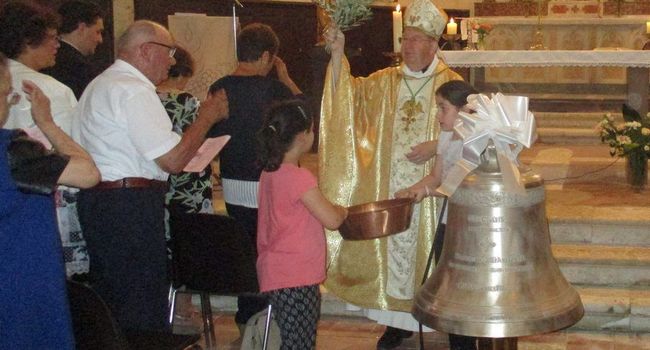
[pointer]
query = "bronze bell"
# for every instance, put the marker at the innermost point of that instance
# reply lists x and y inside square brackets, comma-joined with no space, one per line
[497,277]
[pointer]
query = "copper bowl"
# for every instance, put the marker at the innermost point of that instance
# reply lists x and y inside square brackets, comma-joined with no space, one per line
[377,219]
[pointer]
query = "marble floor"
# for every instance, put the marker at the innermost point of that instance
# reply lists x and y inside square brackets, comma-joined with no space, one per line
[353,333]
[583,183]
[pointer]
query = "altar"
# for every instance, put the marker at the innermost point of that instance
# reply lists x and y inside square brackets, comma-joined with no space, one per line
[601,34]
[537,63]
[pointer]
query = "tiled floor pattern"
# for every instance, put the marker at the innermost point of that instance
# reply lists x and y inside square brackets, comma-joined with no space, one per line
[343,333]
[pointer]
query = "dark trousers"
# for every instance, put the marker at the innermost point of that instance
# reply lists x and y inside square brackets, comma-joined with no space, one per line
[125,234]
[247,304]
[456,342]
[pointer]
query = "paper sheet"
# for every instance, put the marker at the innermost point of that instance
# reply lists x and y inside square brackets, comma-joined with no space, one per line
[206,153]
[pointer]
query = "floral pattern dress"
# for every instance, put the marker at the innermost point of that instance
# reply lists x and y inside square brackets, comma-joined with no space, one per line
[188,192]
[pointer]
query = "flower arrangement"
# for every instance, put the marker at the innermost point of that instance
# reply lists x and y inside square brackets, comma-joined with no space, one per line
[482,30]
[346,14]
[630,139]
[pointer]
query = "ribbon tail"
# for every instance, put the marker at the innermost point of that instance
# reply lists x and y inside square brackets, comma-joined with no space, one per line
[509,170]
[455,176]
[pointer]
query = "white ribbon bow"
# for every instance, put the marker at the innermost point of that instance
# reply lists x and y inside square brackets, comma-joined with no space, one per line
[503,119]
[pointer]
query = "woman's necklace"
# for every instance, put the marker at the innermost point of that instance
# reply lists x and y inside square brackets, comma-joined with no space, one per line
[412,107]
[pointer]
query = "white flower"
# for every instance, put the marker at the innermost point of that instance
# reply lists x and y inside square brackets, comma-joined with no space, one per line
[645,131]
[633,125]
[624,140]
[646,148]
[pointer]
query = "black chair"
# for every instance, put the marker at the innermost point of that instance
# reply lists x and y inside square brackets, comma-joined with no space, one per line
[95,329]
[211,254]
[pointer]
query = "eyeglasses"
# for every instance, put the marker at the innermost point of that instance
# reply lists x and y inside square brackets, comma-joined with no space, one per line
[415,40]
[172,49]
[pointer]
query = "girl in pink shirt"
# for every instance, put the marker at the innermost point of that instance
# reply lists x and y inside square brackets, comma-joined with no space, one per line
[292,212]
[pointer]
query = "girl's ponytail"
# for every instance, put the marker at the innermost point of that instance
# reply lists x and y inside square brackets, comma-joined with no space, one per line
[283,122]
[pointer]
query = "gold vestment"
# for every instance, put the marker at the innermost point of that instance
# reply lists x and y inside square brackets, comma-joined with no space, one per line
[356,126]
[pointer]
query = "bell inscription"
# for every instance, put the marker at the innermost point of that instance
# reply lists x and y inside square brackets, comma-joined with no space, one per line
[497,277]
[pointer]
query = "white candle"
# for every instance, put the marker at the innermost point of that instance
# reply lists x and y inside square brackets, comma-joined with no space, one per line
[397,29]
[452,27]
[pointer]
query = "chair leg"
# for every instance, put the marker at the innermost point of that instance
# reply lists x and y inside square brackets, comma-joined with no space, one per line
[208,326]
[267,326]
[172,304]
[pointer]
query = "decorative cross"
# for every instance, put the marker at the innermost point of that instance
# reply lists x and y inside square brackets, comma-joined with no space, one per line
[411,108]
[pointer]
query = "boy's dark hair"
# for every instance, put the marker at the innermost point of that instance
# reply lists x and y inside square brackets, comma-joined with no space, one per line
[456,92]
[253,40]
[283,122]
[24,24]
[184,66]
[76,11]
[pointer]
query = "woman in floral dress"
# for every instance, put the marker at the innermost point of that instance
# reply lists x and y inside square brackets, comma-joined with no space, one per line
[188,192]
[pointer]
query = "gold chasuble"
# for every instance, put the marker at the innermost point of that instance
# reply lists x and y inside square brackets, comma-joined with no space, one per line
[355,156]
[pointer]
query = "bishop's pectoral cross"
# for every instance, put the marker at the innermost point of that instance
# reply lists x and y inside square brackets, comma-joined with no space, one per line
[411,108]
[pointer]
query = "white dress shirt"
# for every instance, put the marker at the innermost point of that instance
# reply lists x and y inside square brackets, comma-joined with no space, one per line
[121,122]
[451,151]
[62,99]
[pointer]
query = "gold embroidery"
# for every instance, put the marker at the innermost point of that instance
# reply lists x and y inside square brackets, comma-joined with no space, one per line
[412,108]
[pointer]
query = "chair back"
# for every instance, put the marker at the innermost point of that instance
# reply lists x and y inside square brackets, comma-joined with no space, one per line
[212,253]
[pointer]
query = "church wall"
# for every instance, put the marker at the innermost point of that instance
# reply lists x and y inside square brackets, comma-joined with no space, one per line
[570,7]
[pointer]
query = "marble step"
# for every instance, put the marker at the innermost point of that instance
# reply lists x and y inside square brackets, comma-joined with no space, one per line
[614,227]
[606,309]
[567,135]
[570,127]
[608,266]
[623,232]
[575,102]
[583,120]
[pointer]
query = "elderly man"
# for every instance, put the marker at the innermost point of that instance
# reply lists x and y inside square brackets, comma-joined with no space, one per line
[33,299]
[126,130]
[389,118]
[80,33]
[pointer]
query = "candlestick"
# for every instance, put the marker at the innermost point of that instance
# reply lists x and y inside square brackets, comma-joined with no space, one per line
[452,27]
[538,37]
[647,27]
[452,41]
[397,29]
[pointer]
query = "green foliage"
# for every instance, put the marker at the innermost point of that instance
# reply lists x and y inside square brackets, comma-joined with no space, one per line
[346,14]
